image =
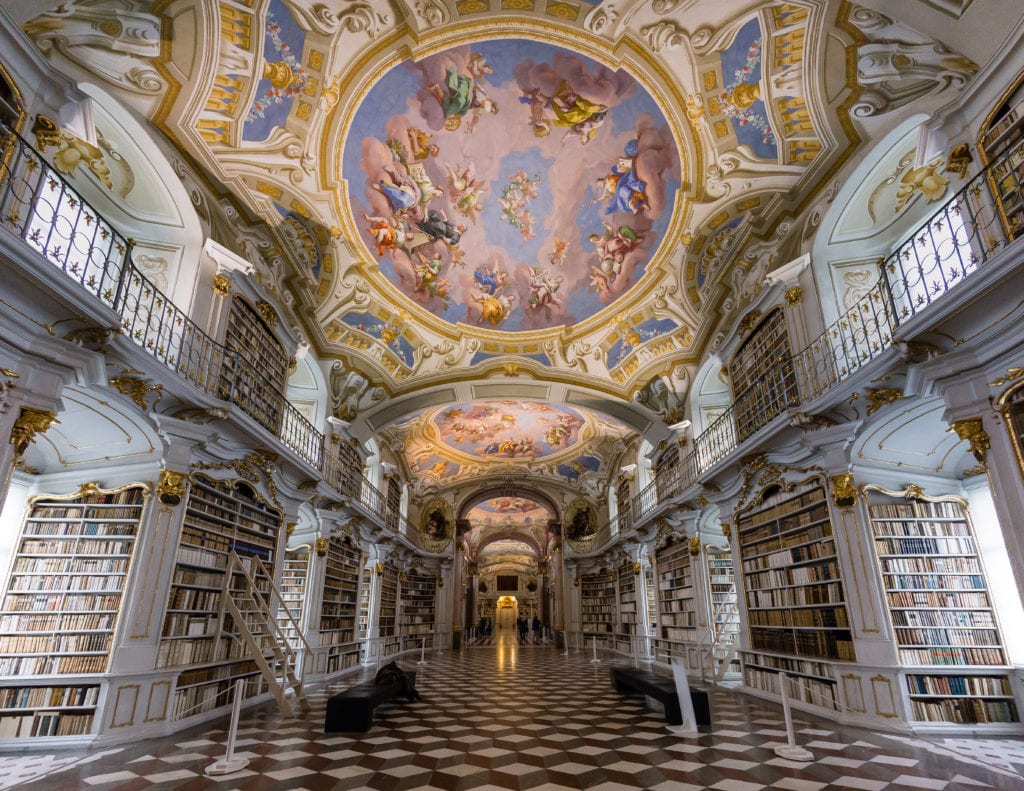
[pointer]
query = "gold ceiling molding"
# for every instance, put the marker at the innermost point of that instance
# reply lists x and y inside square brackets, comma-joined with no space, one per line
[136,388]
[878,397]
[30,421]
[973,430]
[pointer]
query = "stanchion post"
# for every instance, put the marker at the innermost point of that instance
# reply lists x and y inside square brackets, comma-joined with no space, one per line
[595,659]
[231,763]
[790,750]
[423,651]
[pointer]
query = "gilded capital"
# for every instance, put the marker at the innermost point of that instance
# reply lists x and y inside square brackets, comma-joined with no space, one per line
[30,422]
[794,296]
[379,568]
[221,285]
[695,545]
[321,550]
[844,490]
[727,531]
[170,489]
[637,567]
[289,529]
[973,430]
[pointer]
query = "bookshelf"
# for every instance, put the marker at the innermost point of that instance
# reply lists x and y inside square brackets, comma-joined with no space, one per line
[365,589]
[293,587]
[1002,144]
[221,516]
[339,609]
[725,616]
[388,609]
[418,604]
[651,600]
[762,372]
[796,610]
[627,600]
[598,602]
[677,615]
[60,606]
[259,366]
[942,616]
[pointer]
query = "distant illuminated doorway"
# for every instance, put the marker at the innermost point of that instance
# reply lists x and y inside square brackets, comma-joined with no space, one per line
[508,612]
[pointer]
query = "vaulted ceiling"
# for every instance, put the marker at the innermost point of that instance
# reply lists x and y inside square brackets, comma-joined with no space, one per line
[515,228]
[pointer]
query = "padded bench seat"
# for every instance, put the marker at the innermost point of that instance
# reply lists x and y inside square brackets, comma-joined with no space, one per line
[663,689]
[352,710]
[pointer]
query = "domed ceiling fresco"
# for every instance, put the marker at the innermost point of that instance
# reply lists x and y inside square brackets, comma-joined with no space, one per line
[508,429]
[510,183]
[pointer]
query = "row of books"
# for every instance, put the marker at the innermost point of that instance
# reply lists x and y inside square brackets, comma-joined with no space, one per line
[784,504]
[775,543]
[822,644]
[941,599]
[916,508]
[951,545]
[964,711]
[97,529]
[952,656]
[969,582]
[185,625]
[950,636]
[820,548]
[794,575]
[959,685]
[44,724]
[206,674]
[807,690]
[893,528]
[805,667]
[938,565]
[39,602]
[979,618]
[823,617]
[48,697]
[822,593]
[193,599]
[51,582]
[82,545]
[70,566]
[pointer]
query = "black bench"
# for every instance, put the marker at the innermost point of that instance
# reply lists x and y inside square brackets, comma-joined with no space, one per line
[352,710]
[663,689]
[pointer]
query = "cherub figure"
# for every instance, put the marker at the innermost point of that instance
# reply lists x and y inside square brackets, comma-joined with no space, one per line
[466,191]
[387,234]
[494,308]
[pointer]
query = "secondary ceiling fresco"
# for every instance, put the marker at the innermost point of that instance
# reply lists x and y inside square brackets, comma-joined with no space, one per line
[510,183]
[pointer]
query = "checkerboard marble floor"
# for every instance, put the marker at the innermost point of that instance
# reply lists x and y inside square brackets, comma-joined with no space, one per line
[501,716]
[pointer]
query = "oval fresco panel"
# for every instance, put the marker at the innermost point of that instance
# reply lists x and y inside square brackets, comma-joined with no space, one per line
[508,429]
[510,184]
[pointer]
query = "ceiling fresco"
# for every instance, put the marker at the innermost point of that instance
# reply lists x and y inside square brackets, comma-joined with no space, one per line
[508,429]
[510,183]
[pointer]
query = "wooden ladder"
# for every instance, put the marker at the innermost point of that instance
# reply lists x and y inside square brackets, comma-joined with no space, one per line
[266,643]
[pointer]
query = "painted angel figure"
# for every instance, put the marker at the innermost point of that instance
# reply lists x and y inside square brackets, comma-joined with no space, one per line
[466,191]
[543,288]
[494,308]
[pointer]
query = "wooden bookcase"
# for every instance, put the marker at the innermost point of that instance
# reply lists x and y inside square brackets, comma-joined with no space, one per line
[221,516]
[60,608]
[1002,145]
[796,607]
[388,609]
[339,608]
[365,589]
[677,614]
[418,596]
[725,617]
[942,616]
[293,587]
[256,375]
[598,603]
[761,371]
[627,600]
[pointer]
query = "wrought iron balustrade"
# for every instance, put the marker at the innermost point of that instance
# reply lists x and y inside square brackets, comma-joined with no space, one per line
[39,206]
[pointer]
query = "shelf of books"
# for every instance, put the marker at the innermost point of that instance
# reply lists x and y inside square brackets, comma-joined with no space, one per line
[941,612]
[221,516]
[598,602]
[725,616]
[257,374]
[677,613]
[794,592]
[387,611]
[418,593]
[1003,146]
[60,607]
[294,577]
[627,600]
[809,681]
[651,596]
[339,609]
[365,589]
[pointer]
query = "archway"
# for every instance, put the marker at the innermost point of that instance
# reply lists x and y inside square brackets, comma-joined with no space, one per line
[507,613]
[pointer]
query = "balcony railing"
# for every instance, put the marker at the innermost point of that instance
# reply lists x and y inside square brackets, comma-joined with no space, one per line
[49,215]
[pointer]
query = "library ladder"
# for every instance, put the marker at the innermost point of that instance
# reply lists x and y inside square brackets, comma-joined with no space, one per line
[265,641]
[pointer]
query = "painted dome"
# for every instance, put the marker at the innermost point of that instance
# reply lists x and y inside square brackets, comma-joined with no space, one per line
[510,184]
[503,430]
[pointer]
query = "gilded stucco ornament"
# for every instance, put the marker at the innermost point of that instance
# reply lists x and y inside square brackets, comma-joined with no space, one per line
[637,567]
[727,531]
[30,422]
[136,389]
[267,313]
[321,548]
[844,490]
[958,160]
[379,569]
[973,430]
[749,321]
[221,285]
[170,488]
[794,296]
[879,397]
[695,545]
